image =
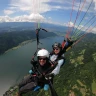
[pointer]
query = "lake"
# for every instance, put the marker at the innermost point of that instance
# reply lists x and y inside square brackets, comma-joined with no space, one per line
[16,63]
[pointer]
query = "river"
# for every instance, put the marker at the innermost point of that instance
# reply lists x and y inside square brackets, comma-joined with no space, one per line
[16,63]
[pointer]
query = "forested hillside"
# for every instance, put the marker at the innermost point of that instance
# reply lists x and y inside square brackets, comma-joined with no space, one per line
[12,39]
[78,76]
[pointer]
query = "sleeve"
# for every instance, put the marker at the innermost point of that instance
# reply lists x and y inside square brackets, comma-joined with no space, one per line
[57,69]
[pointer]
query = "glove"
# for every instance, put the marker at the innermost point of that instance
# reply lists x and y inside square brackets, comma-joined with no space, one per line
[49,76]
[46,87]
[30,71]
[33,62]
[37,88]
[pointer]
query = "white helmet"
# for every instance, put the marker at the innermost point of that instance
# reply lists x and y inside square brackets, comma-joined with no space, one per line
[43,52]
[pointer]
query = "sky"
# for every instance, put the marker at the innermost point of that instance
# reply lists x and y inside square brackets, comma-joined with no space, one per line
[49,11]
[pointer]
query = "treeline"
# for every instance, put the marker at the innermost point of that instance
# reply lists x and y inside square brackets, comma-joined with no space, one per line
[12,39]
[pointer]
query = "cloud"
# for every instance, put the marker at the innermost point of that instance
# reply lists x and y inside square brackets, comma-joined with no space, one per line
[8,12]
[38,6]
[42,6]
[35,17]
[30,6]
[83,5]
[70,24]
[35,8]
[94,30]
[29,18]
[5,19]
[24,18]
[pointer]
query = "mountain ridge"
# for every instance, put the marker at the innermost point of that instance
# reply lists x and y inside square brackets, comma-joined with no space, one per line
[9,40]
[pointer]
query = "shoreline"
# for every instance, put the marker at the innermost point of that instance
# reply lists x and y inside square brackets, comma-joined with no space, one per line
[22,44]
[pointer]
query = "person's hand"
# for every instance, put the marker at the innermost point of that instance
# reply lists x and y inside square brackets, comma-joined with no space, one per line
[30,71]
[46,87]
[49,76]
[32,61]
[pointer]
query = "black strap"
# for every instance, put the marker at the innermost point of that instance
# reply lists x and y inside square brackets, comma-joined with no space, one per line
[53,92]
[37,38]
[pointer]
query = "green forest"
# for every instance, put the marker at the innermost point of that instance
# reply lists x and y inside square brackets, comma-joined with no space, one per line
[12,39]
[78,75]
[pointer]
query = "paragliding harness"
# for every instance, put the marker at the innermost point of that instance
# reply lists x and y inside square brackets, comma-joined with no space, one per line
[36,71]
[69,46]
[35,74]
[59,57]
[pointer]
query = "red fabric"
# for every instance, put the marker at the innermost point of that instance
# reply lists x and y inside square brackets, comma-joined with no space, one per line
[63,44]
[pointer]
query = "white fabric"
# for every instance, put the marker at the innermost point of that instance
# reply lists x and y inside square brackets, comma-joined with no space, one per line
[53,57]
[60,62]
[57,69]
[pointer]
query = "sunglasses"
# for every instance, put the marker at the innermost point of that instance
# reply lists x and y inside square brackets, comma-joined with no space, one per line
[42,58]
[55,48]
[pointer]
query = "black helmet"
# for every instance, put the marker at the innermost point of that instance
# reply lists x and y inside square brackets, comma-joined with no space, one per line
[57,45]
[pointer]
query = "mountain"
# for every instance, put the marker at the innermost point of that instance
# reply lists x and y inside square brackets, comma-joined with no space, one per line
[19,26]
[13,33]
[12,39]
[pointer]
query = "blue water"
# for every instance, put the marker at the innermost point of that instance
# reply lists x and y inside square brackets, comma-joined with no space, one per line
[16,63]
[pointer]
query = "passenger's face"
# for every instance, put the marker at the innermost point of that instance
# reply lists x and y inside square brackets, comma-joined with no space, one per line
[56,50]
[42,60]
